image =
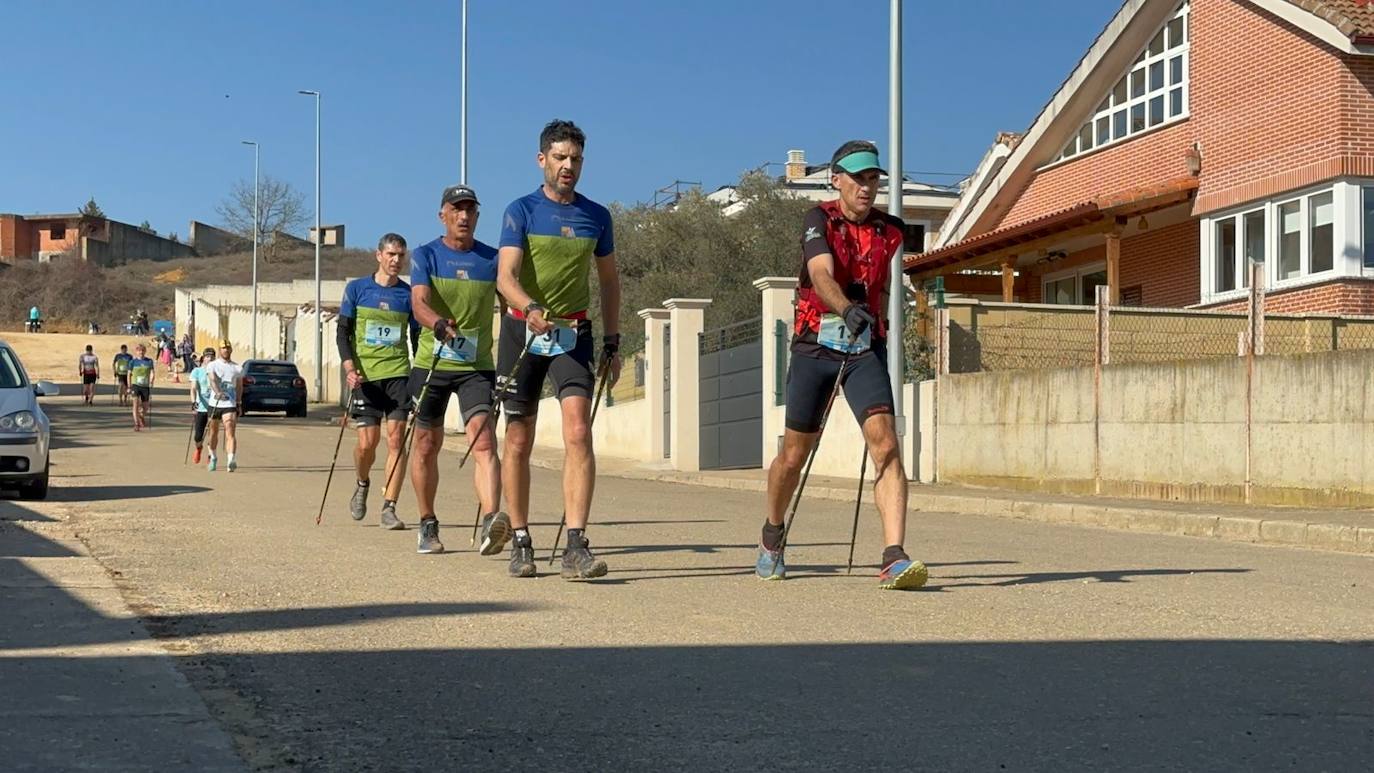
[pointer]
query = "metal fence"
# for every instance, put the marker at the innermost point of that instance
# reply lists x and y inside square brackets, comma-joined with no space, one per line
[1001,336]
[730,336]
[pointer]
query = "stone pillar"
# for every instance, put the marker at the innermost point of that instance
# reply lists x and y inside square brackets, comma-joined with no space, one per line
[687,316]
[778,296]
[1009,279]
[1114,267]
[655,324]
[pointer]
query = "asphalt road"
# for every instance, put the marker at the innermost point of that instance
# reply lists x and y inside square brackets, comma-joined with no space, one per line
[1035,646]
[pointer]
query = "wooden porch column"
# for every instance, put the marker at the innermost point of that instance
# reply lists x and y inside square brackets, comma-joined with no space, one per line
[1009,279]
[1114,265]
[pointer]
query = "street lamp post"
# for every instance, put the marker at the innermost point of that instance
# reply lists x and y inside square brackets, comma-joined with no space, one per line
[463,108]
[256,230]
[319,316]
[896,298]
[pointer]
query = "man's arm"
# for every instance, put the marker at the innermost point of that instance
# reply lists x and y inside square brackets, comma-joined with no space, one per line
[419,306]
[343,338]
[508,284]
[821,269]
[608,278]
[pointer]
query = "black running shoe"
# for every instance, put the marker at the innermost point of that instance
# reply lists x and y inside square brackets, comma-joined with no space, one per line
[579,563]
[496,532]
[428,539]
[522,560]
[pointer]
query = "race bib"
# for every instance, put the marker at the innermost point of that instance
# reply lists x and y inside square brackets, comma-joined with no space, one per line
[381,333]
[121,368]
[460,348]
[834,335]
[559,340]
[141,377]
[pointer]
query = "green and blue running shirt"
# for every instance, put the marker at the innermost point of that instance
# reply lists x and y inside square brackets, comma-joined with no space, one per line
[559,241]
[463,289]
[383,320]
[141,371]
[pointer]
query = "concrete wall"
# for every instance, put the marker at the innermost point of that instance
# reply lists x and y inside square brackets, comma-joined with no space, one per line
[1170,431]
[620,430]
[209,240]
[292,293]
[123,243]
[270,325]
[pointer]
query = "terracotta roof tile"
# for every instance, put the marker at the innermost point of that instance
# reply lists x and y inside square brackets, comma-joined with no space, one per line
[1354,18]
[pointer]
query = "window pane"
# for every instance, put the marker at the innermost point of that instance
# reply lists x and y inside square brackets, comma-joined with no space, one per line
[1137,117]
[1119,93]
[1119,125]
[1224,256]
[1085,137]
[1106,105]
[1138,82]
[1176,33]
[1104,131]
[1060,291]
[1089,285]
[1071,148]
[1157,45]
[1156,76]
[1369,227]
[1290,240]
[1175,103]
[1254,243]
[1156,110]
[1176,70]
[1322,239]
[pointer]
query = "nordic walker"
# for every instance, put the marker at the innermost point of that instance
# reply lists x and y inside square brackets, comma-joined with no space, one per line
[374,327]
[452,294]
[88,368]
[120,366]
[847,248]
[142,375]
[549,241]
[200,399]
[226,382]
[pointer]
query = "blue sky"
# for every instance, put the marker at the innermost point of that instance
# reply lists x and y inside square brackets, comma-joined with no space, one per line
[143,104]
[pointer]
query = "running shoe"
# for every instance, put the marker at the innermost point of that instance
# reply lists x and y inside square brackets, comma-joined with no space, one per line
[522,560]
[357,506]
[233,464]
[389,519]
[214,461]
[196,458]
[496,532]
[579,563]
[428,539]
[769,565]
[903,574]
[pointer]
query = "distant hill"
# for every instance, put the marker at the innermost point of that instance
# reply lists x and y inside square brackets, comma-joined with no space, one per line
[70,293]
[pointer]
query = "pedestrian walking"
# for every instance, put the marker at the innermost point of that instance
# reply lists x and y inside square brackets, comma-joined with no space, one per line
[120,365]
[88,369]
[226,384]
[550,239]
[201,395]
[142,376]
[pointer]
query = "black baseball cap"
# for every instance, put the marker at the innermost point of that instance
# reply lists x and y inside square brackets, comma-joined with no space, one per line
[456,193]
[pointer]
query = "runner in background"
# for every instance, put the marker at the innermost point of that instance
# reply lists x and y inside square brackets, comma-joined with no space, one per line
[200,399]
[88,368]
[120,366]
[142,376]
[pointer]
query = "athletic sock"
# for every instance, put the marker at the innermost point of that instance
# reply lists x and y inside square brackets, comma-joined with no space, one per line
[388,503]
[364,483]
[522,538]
[575,537]
[772,536]
[894,553]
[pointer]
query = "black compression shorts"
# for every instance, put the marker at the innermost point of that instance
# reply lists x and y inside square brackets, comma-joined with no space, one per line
[473,387]
[810,381]
[389,398]
[143,393]
[571,373]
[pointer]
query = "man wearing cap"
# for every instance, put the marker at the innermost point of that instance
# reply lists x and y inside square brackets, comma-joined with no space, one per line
[226,382]
[200,400]
[847,249]
[550,239]
[452,295]
[374,326]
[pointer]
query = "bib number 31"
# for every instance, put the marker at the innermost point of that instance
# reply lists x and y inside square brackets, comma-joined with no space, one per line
[559,340]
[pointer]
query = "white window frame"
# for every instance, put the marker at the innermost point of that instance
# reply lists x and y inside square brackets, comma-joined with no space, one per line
[1142,63]
[1346,240]
[1077,273]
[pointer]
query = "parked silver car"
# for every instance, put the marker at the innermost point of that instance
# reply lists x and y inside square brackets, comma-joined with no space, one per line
[24,428]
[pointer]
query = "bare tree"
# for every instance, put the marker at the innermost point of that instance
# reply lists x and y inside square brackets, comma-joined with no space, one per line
[280,208]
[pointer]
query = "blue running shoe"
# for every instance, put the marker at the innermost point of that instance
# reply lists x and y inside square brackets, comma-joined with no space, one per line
[769,565]
[214,462]
[903,574]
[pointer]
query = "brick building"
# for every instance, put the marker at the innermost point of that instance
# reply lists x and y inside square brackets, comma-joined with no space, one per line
[1192,139]
[95,239]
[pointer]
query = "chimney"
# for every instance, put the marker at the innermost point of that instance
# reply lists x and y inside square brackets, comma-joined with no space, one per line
[796,165]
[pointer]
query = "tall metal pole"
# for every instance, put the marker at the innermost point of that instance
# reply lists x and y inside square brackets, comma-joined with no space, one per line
[896,299]
[463,109]
[319,237]
[257,229]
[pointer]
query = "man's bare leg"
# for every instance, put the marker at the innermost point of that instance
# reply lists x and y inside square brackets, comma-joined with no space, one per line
[486,473]
[515,468]
[890,488]
[579,460]
[424,468]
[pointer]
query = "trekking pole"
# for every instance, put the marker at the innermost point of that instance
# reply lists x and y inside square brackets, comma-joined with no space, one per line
[602,377]
[498,391]
[186,458]
[854,534]
[410,420]
[343,424]
[811,456]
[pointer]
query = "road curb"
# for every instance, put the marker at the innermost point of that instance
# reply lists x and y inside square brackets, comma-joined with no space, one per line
[1142,518]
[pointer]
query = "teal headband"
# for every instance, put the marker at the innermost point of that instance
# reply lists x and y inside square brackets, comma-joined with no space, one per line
[860,161]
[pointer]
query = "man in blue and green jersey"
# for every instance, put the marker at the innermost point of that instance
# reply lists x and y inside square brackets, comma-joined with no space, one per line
[142,374]
[120,365]
[550,240]
[374,325]
[452,294]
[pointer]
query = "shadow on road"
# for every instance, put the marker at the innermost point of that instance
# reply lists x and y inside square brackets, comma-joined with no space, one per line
[106,493]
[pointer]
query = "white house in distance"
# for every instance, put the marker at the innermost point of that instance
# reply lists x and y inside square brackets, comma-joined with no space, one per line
[924,206]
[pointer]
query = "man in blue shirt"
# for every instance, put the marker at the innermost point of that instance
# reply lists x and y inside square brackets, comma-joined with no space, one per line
[374,323]
[550,239]
[200,399]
